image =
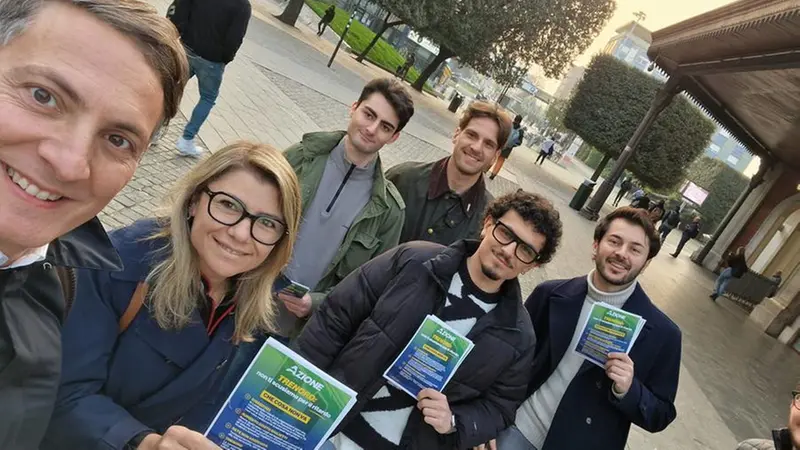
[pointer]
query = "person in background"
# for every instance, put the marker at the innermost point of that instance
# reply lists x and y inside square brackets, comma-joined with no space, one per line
[656,212]
[637,194]
[514,140]
[783,438]
[445,200]
[690,231]
[144,347]
[326,20]
[736,268]
[548,146]
[572,403]
[777,279]
[472,286]
[624,188]
[641,202]
[85,86]
[212,32]
[670,221]
[402,72]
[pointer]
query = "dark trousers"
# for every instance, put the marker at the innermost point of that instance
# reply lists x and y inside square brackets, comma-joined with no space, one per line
[542,156]
[684,240]
[321,27]
[621,193]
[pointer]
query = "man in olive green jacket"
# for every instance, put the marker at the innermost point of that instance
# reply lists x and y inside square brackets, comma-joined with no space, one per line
[445,200]
[351,212]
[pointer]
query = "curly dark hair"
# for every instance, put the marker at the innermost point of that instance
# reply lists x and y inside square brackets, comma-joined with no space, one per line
[634,216]
[535,210]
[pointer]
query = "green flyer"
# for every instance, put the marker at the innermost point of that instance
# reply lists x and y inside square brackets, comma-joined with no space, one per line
[430,359]
[607,329]
[281,402]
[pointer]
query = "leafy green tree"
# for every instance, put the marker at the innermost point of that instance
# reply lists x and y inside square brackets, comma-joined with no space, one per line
[508,34]
[607,106]
[723,183]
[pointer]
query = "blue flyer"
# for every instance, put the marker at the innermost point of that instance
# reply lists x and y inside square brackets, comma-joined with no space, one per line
[429,359]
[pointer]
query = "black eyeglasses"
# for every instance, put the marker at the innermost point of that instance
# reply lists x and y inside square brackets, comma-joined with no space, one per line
[522,250]
[796,399]
[229,210]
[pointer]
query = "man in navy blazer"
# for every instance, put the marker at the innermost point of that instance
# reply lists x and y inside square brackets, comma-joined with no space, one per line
[573,404]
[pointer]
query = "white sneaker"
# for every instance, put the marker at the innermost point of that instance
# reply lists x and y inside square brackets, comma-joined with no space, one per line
[186,147]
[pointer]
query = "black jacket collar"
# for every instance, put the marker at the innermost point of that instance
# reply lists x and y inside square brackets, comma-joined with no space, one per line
[444,265]
[85,247]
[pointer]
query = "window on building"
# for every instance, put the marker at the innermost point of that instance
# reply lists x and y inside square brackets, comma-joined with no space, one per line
[732,160]
[719,138]
[738,151]
[713,149]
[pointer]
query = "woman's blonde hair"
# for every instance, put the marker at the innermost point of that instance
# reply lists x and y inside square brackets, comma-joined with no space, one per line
[175,282]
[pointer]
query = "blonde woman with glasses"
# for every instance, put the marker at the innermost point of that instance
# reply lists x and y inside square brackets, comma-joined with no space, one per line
[143,348]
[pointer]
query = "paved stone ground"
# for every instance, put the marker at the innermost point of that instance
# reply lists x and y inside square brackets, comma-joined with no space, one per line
[735,381]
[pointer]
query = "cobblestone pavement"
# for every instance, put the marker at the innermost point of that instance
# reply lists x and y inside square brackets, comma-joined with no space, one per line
[734,379]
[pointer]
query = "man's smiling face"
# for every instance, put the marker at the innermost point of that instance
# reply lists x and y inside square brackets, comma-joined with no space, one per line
[78,105]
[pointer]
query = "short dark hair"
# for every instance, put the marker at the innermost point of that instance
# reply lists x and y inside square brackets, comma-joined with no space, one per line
[395,93]
[634,216]
[535,210]
[491,111]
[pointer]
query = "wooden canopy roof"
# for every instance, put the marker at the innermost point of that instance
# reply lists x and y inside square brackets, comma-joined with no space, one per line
[741,63]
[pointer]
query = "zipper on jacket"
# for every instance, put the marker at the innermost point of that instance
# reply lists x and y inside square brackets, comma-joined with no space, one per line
[341,186]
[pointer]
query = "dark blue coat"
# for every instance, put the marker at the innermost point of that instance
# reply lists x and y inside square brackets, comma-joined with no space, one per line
[115,386]
[589,415]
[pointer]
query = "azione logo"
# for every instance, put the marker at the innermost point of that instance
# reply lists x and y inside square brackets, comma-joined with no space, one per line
[305,378]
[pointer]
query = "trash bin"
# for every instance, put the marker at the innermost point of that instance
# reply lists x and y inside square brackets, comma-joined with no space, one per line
[583,193]
[455,102]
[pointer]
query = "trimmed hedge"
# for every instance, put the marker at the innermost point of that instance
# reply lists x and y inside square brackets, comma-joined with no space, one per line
[611,100]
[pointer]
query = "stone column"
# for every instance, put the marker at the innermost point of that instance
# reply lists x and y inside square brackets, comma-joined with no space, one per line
[710,255]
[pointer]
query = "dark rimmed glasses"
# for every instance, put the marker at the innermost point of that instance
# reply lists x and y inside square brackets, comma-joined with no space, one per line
[524,252]
[229,210]
[796,399]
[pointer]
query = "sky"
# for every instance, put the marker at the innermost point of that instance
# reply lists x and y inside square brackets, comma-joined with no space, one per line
[660,14]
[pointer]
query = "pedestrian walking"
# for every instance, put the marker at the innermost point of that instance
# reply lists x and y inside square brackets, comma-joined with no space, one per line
[671,221]
[326,20]
[546,150]
[84,86]
[212,32]
[194,285]
[690,231]
[445,200]
[514,140]
[736,268]
[624,188]
[473,287]
[402,72]
[565,392]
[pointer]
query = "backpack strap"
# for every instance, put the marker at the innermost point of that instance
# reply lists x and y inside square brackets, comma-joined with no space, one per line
[137,300]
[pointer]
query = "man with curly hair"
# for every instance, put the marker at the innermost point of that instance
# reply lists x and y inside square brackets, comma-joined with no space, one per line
[472,286]
[573,404]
